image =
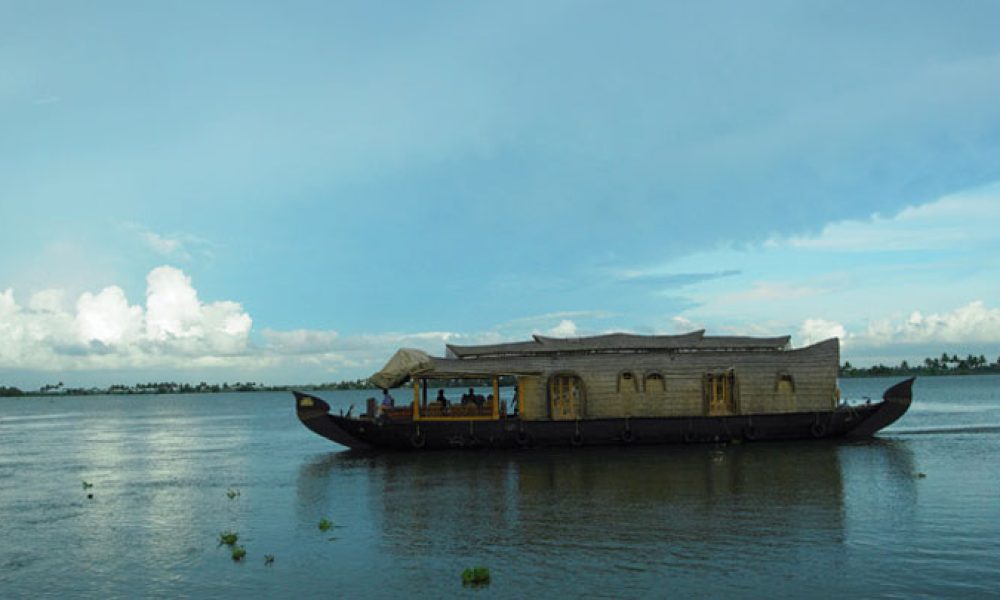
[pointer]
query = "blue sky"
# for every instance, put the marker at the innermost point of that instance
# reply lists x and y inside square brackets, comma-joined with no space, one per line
[286,193]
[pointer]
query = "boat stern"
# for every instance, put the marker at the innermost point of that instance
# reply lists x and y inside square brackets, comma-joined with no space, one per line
[895,402]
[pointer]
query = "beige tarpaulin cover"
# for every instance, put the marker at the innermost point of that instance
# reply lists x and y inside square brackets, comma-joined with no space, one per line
[404,362]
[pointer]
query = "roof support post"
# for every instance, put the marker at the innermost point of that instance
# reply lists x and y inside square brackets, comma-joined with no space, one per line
[416,399]
[496,397]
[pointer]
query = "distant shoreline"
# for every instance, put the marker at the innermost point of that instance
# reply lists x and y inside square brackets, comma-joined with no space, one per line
[897,372]
[918,374]
[176,389]
[170,388]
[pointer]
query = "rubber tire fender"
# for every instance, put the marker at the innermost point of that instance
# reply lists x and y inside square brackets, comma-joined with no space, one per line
[418,439]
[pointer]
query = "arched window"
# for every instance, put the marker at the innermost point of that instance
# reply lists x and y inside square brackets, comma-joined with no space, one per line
[785,384]
[627,383]
[654,383]
[784,391]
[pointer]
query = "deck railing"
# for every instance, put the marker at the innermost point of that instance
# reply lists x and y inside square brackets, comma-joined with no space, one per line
[468,410]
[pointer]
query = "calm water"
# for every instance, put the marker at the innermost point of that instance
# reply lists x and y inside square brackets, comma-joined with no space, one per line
[752,520]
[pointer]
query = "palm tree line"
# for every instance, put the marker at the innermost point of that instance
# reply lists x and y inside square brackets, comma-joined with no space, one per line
[944,365]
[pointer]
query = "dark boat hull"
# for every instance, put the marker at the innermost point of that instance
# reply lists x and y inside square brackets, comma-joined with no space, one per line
[510,432]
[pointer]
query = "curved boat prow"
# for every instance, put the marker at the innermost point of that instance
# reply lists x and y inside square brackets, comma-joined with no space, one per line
[314,413]
[895,402]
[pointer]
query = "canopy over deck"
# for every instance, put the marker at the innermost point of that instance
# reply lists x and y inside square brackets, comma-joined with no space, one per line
[404,363]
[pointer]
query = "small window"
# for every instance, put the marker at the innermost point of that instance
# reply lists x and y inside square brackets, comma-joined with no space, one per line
[784,391]
[654,383]
[627,383]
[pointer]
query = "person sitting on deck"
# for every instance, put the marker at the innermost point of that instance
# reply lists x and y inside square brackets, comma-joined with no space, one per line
[441,399]
[387,400]
[469,398]
[489,401]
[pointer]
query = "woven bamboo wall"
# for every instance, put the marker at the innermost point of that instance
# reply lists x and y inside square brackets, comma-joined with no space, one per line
[534,406]
[810,376]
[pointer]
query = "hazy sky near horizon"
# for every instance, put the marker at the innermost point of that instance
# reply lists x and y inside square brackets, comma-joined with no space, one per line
[288,192]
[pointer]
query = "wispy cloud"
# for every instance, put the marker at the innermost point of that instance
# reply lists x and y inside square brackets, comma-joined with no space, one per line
[952,220]
[175,246]
[168,247]
[927,257]
[660,279]
[763,291]
[542,320]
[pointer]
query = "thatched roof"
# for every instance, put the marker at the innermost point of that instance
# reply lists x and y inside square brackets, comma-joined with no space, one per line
[620,342]
[722,342]
[613,342]
[404,363]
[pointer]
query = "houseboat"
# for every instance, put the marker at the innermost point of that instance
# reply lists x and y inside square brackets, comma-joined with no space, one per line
[615,389]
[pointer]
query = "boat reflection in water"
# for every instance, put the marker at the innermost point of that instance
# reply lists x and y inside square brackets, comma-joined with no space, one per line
[748,514]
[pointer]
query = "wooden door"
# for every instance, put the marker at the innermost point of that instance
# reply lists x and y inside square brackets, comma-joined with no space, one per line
[565,397]
[719,396]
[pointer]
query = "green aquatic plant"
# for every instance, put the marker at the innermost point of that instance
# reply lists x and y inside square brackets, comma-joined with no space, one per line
[325,524]
[228,538]
[268,559]
[87,486]
[476,576]
[232,493]
[239,552]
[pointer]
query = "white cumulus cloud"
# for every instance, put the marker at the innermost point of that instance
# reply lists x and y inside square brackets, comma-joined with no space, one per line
[972,323]
[817,330]
[105,331]
[968,325]
[565,328]
[107,317]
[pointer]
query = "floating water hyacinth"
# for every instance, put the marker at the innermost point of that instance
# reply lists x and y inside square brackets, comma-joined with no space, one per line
[268,559]
[228,537]
[239,552]
[476,576]
[325,524]
[232,493]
